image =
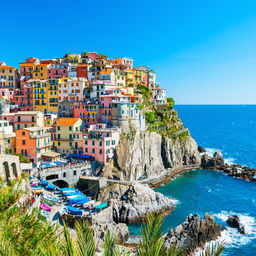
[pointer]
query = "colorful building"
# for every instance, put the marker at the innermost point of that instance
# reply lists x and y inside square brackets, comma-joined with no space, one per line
[40,95]
[56,71]
[101,143]
[52,96]
[82,70]
[141,75]
[122,63]
[66,129]
[40,71]
[120,78]
[33,143]
[24,119]
[9,77]
[72,90]
[7,138]
[159,96]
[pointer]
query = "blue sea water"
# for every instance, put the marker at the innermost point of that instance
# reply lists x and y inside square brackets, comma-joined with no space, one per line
[232,129]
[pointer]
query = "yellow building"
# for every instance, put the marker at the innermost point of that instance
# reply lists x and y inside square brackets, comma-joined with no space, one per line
[74,58]
[66,131]
[40,71]
[120,77]
[140,75]
[52,96]
[130,77]
[40,95]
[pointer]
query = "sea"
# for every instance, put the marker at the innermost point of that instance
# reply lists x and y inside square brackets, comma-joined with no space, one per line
[231,129]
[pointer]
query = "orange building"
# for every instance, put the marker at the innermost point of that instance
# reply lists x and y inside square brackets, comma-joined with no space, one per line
[34,143]
[9,77]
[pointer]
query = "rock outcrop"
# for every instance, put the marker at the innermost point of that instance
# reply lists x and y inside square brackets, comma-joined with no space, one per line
[147,154]
[194,232]
[214,162]
[201,149]
[133,203]
[120,231]
[234,222]
[235,170]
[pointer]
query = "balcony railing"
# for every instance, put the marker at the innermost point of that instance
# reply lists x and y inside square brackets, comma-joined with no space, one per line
[38,136]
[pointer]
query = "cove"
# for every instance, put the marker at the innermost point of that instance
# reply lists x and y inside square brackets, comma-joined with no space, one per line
[210,191]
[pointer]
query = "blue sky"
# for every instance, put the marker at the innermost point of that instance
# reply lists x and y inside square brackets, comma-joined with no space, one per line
[204,52]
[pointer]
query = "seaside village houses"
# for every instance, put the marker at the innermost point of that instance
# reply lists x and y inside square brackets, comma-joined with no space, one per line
[75,106]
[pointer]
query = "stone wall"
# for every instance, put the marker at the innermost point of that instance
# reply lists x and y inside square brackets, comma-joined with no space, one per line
[9,167]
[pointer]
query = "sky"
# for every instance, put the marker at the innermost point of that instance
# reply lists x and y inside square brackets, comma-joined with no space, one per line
[204,52]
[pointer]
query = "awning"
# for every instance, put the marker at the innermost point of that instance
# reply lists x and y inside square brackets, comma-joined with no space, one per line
[81,156]
[51,154]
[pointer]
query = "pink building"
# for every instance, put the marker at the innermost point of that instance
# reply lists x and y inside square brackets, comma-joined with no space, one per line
[92,55]
[56,71]
[101,143]
[106,102]
[6,93]
[80,110]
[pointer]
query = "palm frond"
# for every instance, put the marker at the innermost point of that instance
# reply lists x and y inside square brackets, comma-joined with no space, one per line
[175,250]
[214,249]
[68,242]
[85,240]
[151,233]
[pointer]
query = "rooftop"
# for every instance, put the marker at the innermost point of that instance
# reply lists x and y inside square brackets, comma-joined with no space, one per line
[67,121]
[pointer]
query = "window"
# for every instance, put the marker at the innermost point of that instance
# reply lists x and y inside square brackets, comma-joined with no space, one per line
[58,143]
[100,151]
[107,143]
[70,128]
[113,142]
[86,142]
[93,150]
[93,142]
[70,144]
[86,150]
[58,127]
[23,142]
[74,172]
[100,143]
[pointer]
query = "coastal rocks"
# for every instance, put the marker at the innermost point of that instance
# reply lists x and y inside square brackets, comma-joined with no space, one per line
[201,149]
[133,203]
[208,162]
[148,154]
[235,170]
[194,232]
[120,231]
[234,222]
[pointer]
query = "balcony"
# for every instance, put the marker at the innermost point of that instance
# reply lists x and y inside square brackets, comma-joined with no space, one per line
[36,136]
[45,145]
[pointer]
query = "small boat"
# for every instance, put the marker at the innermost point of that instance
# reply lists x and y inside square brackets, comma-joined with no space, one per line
[51,198]
[51,186]
[37,187]
[33,184]
[48,202]
[101,206]
[44,182]
[89,203]
[75,211]
[63,210]
[45,207]
[44,213]
[77,199]
[82,202]
[73,194]
[38,191]
[67,189]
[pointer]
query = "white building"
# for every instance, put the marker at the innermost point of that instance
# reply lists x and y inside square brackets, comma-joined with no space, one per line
[72,89]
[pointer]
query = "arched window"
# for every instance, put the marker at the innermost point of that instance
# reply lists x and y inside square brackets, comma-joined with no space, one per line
[14,170]
[6,171]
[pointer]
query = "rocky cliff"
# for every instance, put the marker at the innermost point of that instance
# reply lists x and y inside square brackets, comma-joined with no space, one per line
[194,233]
[133,203]
[148,154]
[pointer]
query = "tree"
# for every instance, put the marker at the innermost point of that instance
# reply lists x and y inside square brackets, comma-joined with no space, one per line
[171,102]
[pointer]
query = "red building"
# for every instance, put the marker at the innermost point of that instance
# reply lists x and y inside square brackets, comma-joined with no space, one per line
[56,71]
[82,70]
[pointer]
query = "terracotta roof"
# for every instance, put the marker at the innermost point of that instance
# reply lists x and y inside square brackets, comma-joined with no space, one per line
[106,72]
[67,121]
[5,66]
[27,64]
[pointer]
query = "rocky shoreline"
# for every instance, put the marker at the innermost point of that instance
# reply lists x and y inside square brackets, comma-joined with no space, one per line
[234,170]
[195,232]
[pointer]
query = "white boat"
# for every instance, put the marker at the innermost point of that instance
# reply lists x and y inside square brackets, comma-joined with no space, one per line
[44,213]
[63,210]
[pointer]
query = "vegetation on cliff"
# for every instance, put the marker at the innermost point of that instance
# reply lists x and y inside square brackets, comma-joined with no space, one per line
[162,119]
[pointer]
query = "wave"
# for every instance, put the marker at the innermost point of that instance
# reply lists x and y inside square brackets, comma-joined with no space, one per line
[231,235]
[211,151]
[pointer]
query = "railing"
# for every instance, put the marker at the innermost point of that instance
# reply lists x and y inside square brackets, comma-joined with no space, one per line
[38,136]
